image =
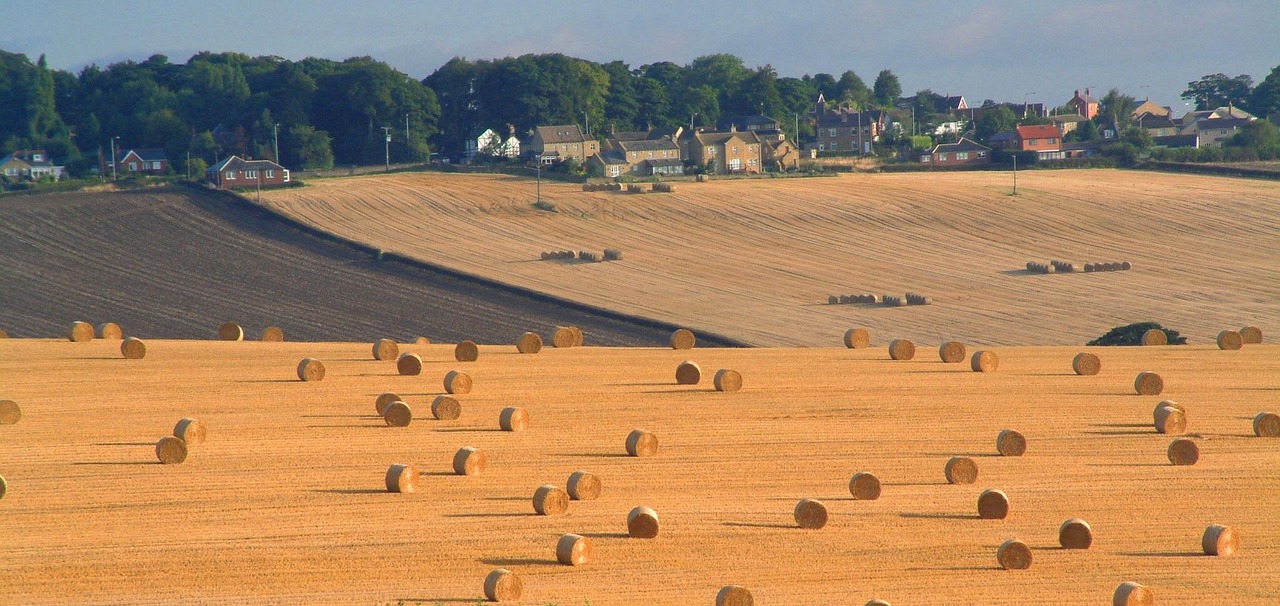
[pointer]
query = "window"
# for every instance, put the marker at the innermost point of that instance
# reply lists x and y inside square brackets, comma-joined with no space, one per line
[751,148]
[155,165]
[1033,141]
[231,175]
[271,174]
[735,164]
[822,147]
[982,154]
[614,171]
[1052,140]
[251,174]
[925,158]
[133,167]
[751,162]
[942,157]
[37,157]
[962,155]
[711,151]
[735,149]
[831,132]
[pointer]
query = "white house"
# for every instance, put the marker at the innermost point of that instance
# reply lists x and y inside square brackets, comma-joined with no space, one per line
[489,143]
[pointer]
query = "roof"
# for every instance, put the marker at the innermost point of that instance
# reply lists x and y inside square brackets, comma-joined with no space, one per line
[649,145]
[12,159]
[28,155]
[1003,137]
[746,122]
[563,133]
[948,104]
[1038,131]
[1085,97]
[717,138]
[151,154]
[1067,118]
[1150,120]
[611,156]
[963,145]
[842,116]
[238,163]
[1212,123]
[664,162]
[1177,141]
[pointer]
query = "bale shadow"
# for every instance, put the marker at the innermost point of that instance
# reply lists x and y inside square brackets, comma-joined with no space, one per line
[1162,554]
[759,525]
[1020,272]
[518,561]
[466,429]
[346,426]
[489,515]
[270,381]
[955,568]
[651,384]
[609,455]
[605,535]
[1153,432]
[436,473]
[943,483]
[938,516]
[961,454]
[352,490]
[508,498]
[1120,425]
[124,444]
[475,600]
[690,389]
[1130,465]
[117,463]
[340,416]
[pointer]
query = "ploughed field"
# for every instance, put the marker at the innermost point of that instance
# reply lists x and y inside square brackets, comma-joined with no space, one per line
[756,260]
[177,262]
[285,501]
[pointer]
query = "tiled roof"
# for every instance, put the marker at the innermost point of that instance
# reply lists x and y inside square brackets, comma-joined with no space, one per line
[963,145]
[1038,131]
[564,133]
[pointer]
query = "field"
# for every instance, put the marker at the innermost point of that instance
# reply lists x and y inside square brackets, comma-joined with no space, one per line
[178,262]
[284,503]
[756,260]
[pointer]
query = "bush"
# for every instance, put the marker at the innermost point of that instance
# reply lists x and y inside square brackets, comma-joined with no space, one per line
[1131,334]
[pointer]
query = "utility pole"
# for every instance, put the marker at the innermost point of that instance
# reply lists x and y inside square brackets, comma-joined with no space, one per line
[188,165]
[113,158]
[387,130]
[1015,173]
[275,138]
[539,161]
[406,138]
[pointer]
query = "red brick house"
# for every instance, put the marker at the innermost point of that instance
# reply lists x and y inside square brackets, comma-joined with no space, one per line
[963,152]
[151,161]
[1084,104]
[236,172]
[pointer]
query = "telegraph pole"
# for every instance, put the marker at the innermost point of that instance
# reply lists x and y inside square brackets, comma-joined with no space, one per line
[275,137]
[113,158]
[407,154]
[387,130]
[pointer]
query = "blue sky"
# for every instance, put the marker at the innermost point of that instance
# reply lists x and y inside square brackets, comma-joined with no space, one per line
[998,50]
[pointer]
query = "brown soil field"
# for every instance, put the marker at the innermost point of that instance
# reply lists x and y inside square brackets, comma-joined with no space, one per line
[285,503]
[756,259]
[178,262]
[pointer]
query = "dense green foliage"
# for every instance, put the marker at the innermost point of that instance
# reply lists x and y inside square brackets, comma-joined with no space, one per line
[1131,334]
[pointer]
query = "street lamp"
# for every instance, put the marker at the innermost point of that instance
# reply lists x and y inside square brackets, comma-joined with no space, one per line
[1025,108]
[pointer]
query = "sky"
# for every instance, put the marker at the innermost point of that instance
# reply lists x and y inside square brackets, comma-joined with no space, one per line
[1007,51]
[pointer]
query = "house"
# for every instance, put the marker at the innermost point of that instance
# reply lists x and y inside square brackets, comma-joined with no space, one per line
[848,130]
[1041,138]
[489,143]
[751,123]
[551,144]
[1177,141]
[1081,149]
[732,152]
[780,154]
[1022,110]
[1084,105]
[963,152]
[1150,107]
[150,161]
[1216,126]
[1066,122]
[236,172]
[1157,125]
[639,157]
[31,164]
[13,168]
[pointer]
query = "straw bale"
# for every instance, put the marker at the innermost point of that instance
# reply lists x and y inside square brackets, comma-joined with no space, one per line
[4,487]
[1075,534]
[993,504]
[864,486]
[564,337]
[231,332]
[192,431]
[902,349]
[397,414]
[385,349]
[80,332]
[641,443]
[1014,555]
[1086,364]
[951,352]
[132,348]
[810,513]
[984,361]
[311,369]
[642,523]
[171,450]
[502,585]
[961,470]
[529,343]
[110,330]
[1266,425]
[573,550]
[409,364]
[683,338]
[550,500]
[1170,420]
[10,412]
[422,341]
[688,373]
[457,382]
[469,461]
[1155,336]
[1183,451]
[1219,540]
[1230,340]
[727,379]
[1129,593]
[583,486]
[857,338]
[1148,383]
[446,408]
[273,334]
[1249,335]
[385,399]
[513,418]
[402,478]
[734,595]
[466,351]
[1010,443]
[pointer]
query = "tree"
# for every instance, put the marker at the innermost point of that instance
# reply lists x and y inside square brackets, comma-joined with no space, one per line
[758,94]
[1085,130]
[1260,136]
[1218,90]
[994,121]
[852,90]
[1265,98]
[1117,108]
[309,148]
[621,106]
[886,88]
[1131,334]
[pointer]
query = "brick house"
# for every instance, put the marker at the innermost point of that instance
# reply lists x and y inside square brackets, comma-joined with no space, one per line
[1156,125]
[730,152]
[843,129]
[1042,138]
[639,157]
[236,172]
[551,144]
[32,164]
[151,161]
[963,152]
[1084,105]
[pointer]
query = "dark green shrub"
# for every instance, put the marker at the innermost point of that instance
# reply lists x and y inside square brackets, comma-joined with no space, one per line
[1131,334]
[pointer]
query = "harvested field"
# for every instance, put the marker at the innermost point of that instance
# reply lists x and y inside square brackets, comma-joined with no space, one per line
[176,263]
[1204,249]
[289,505]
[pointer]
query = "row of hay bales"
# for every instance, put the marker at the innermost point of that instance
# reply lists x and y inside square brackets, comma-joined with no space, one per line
[1068,267]
[886,300]
[1226,340]
[610,254]
[632,188]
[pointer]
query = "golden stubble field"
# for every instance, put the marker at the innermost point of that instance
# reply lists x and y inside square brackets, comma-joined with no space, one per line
[284,503]
[757,259]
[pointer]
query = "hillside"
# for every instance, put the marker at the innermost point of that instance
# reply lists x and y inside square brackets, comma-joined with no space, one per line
[285,502]
[757,259]
[177,263]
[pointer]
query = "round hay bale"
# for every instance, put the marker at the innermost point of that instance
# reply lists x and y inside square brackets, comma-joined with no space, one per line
[642,523]
[1183,451]
[688,373]
[961,470]
[397,414]
[1170,420]
[1219,540]
[641,443]
[864,486]
[133,348]
[311,369]
[80,332]
[502,585]
[564,337]
[110,330]
[810,513]
[384,400]
[402,478]
[1014,555]
[273,334]
[1075,534]
[513,418]
[545,255]
[529,343]
[191,431]
[578,339]
[984,361]
[1126,266]
[877,603]
[833,300]
[550,500]
[231,332]
[857,338]
[1155,336]
[1090,267]
[727,380]
[1165,404]
[4,487]
[1086,364]
[683,338]
[1148,383]
[1129,593]
[469,461]
[573,550]
[734,595]
[1230,340]
[902,349]
[10,412]
[385,349]
[993,505]
[1249,335]
[409,364]
[446,408]
[422,341]
[843,299]
[583,486]
[1010,443]
[466,351]
[171,450]
[457,382]
[1266,425]
[951,352]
